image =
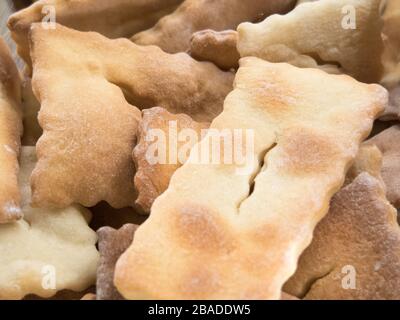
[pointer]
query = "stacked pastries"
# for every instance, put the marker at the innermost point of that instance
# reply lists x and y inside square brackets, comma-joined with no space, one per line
[216,229]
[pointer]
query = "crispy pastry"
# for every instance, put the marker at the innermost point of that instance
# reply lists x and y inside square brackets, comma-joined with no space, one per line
[388,142]
[217,47]
[10,135]
[173,32]
[85,153]
[114,19]
[359,238]
[218,235]
[48,250]
[181,131]
[112,243]
[391,58]
[313,34]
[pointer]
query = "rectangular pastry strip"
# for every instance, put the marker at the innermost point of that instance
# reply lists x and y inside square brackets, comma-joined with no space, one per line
[223,232]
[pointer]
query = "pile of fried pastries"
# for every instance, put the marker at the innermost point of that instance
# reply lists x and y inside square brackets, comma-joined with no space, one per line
[312,214]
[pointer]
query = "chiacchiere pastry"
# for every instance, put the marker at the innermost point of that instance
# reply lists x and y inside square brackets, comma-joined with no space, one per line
[48,250]
[173,32]
[234,230]
[114,19]
[164,143]
[90,118]
[10,136]
[355,252]
[388,142]
[343,34]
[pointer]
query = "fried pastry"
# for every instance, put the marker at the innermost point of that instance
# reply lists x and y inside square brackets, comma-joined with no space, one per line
[10,136]
[355,252]
[90,118]
[236,230]
[173,32]
[48,250]
[318,33]
[388,143]
[217,47]
[153,173]
[112,243]
[114,19]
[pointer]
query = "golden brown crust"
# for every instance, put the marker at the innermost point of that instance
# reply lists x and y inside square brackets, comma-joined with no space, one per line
[10,136]
[114,19]
[359,238]
[173,32]
[322,40]
[388,143]
[152,179]
[217,47]
[244,244]
[89,127]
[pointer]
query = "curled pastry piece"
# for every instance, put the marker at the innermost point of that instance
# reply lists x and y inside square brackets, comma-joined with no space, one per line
[173,32]
[217,47]
[164,143]
[112,243]
[293,145]
[343,34]
[114,19]
[388,143]
[47,251]
[90,118]
[355,252]
[391,57]
[10,136]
